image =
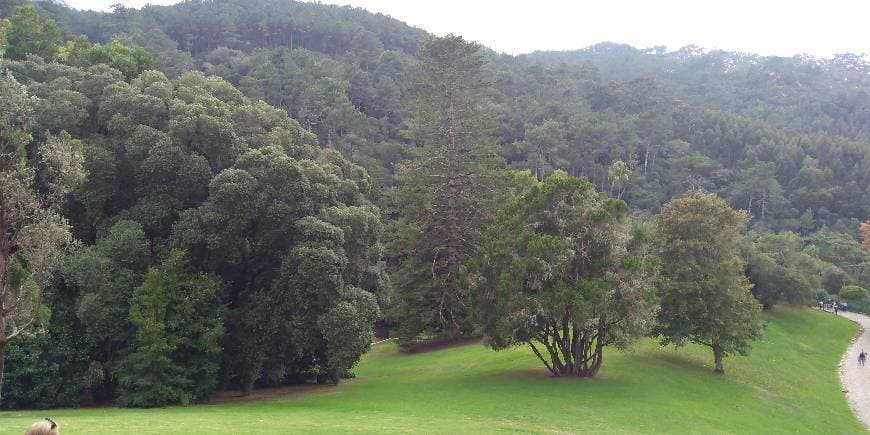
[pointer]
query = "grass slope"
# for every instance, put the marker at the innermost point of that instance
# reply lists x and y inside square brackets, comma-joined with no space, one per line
[787,385]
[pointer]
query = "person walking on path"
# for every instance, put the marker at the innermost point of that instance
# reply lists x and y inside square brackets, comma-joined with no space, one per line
[862,358]
[854,378]
[836,308]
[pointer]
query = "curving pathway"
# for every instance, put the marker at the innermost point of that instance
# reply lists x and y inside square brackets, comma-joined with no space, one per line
[856,379]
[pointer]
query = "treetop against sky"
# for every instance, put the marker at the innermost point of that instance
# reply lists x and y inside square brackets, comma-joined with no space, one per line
[769,28]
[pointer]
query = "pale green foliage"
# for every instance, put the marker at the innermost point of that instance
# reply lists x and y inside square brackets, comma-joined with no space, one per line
[63,163]
[26,34]
[131,61]
[853,293]
[618,175]
[15,113]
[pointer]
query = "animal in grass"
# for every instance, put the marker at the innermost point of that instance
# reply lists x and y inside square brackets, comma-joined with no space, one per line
[44,427]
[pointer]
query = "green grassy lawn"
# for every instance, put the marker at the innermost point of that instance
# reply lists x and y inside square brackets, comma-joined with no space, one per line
[788,384]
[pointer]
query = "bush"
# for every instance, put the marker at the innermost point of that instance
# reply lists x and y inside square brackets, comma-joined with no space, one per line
[853,293]
[45,370]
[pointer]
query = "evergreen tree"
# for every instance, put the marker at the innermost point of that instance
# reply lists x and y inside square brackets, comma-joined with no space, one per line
[446,193]
[175,355]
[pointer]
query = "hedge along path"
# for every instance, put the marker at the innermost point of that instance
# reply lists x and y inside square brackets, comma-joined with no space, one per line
[855,378]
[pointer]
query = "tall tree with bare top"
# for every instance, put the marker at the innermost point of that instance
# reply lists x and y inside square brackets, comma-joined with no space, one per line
[447,192]
[33,234]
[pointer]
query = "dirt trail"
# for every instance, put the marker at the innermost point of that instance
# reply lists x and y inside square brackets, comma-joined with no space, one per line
[856,379]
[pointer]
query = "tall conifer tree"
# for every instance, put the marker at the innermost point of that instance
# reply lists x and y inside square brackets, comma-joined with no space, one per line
[446,193]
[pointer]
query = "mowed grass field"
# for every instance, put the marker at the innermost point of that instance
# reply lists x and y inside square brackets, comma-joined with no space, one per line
[788,384]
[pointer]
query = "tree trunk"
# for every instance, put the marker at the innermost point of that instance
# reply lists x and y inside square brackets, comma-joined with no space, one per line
[3,345]
[452,260]
[645,158]
[718,355]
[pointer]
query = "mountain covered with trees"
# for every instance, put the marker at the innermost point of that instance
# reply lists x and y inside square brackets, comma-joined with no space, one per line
[267,178]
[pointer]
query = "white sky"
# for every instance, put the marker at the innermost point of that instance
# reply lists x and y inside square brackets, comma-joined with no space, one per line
[769,27]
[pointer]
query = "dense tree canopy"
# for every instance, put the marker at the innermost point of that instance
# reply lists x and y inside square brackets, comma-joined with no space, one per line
[279,160]
[705,296]
[33,234]
[563,267]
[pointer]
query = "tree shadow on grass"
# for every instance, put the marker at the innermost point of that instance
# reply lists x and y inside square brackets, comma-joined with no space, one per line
[684,362]
[273,393]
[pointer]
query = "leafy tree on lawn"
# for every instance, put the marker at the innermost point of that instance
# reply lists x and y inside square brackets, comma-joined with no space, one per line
[562,267]
[445,194]
[705,297]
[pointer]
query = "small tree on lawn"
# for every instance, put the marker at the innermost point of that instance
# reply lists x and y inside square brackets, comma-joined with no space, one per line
[563,268]
[704,292]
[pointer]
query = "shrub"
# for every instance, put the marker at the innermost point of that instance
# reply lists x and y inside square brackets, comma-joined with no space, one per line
[853,293]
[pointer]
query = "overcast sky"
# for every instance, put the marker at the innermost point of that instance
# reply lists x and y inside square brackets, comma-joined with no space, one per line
[770,27]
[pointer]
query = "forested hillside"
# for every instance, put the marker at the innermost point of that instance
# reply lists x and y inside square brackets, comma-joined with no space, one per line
[276,157]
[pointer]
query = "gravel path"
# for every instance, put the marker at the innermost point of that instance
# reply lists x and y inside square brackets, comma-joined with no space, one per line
[856,379]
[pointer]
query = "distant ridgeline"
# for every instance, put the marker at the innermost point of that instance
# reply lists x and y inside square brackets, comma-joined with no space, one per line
[199,179]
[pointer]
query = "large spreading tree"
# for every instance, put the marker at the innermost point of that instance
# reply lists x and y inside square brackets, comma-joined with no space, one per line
[446,193]
[705,295]
[563,267]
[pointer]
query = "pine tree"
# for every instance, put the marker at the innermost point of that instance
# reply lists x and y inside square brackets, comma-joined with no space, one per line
[446,193]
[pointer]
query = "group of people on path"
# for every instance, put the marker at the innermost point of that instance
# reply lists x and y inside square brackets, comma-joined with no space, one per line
[833,307]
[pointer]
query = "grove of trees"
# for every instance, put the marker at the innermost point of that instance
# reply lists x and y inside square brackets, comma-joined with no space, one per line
[229,194]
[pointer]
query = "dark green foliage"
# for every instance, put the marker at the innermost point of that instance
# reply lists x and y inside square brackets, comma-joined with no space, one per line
[46,369]
[184,159]
[241,186]
[834,278]
[781,270]
[285,267]
[447,194]
[175,353]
